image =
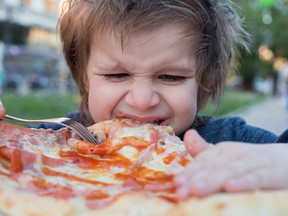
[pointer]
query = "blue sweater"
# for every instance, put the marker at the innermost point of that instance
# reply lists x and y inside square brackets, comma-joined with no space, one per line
[236,129]
[221,129]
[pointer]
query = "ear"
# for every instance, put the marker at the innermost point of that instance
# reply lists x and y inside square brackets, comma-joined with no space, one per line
[194,142]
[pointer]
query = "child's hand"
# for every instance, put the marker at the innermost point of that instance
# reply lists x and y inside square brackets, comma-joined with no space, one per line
[2,109]
[232,167]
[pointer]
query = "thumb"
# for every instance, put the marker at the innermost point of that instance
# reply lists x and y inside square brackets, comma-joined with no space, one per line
[194,142]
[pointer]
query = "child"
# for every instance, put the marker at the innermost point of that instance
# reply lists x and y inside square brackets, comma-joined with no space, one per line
[159,61]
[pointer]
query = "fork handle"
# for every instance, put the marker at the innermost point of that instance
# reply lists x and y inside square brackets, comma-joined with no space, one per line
[52,120]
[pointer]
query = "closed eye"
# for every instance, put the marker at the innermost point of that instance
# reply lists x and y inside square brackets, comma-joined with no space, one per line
[172,79]
[116,77]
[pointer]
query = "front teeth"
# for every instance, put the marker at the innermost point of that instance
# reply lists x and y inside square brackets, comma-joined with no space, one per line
[158,122]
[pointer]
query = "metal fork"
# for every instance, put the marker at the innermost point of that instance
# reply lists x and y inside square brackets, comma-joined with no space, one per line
[82,131]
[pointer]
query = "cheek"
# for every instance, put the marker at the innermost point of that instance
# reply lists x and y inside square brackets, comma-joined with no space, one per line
[185,114]
[97,104]
[184,100]
[183,122]
[184,109]
[94,105]
[102,101]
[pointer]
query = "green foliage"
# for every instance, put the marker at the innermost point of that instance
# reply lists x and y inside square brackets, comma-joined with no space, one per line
[232,101]
[40,105]
[269,26]
[266,3]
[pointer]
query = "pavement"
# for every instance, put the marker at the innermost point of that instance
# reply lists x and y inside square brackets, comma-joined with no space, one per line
[269,114]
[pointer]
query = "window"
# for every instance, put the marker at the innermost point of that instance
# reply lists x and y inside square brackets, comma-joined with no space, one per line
[25,3]
[50,6]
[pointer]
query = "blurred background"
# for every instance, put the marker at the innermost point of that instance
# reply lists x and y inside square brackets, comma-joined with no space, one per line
[30,58]
[33,71]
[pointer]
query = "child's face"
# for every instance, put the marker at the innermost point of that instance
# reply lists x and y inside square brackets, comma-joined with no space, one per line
[151,79]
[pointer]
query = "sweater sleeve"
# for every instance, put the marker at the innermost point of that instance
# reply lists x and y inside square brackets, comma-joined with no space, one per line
[234,129]
[283,138]
[73,115]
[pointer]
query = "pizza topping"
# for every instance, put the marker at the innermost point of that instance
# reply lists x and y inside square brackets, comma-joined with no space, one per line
[132,156]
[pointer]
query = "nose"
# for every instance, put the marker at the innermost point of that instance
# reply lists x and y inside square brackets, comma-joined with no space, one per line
[142,96]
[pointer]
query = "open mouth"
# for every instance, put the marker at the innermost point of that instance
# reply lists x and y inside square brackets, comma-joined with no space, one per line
[154,120]
[161,122]
[158,122]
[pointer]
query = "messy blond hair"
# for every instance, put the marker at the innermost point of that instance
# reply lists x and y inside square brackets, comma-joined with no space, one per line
[215,24]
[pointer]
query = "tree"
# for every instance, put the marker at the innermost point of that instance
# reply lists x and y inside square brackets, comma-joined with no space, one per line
[266,20]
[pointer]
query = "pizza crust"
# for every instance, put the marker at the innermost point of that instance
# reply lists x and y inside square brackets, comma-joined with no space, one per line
[14,203]
[135,204]
[259,203]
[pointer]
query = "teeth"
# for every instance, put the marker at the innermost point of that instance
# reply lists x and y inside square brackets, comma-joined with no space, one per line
[157,122]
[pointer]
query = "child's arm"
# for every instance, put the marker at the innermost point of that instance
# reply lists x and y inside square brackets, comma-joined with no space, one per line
[232,167]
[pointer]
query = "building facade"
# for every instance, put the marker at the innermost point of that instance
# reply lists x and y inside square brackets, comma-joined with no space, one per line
[30,59]
[29,21]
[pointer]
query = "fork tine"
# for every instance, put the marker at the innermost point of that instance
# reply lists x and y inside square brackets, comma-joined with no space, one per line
[85,134]
[78,129]
[81,130]
[71,124]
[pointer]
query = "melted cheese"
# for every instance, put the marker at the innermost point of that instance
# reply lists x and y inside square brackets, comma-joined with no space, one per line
[129,152]
[129,167]
[140,132]
[157,163]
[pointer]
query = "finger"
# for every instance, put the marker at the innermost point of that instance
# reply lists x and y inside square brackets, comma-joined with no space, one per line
[259,179]
[209,170]
[250,181]
[213,176]
[2,109]
[0,95]
[192,181]
[181,180]
[194,142]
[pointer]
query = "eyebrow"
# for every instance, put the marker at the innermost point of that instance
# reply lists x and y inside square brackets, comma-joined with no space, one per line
[181,69]
[169,68]
[107,67]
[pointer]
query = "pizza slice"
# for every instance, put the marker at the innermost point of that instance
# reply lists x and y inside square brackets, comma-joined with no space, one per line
[55,165]
[47,172]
